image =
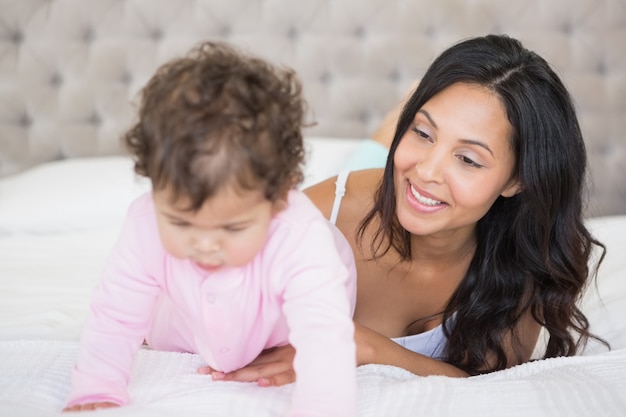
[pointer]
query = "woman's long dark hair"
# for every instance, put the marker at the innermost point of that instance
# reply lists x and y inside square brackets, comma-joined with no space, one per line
[533,249]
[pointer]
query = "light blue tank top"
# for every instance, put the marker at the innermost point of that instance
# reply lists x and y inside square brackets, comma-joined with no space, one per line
[369,154]
[430,343]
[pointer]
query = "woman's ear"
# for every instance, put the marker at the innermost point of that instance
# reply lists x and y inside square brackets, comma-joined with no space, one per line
[511,189]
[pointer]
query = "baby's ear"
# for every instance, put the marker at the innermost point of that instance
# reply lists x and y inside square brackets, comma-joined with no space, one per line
[279,205]
[281,202]
[511,189]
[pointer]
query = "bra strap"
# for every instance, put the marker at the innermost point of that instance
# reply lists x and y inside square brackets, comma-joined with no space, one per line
[340,190]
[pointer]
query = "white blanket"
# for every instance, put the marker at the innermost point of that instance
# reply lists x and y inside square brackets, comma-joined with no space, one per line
[35,382]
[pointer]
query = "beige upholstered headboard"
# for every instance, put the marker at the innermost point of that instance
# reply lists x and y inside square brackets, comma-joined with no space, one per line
[69,69]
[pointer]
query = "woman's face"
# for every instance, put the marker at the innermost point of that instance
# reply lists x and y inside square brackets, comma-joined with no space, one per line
[454,161]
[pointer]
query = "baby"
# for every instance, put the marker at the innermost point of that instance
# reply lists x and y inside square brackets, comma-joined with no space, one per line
[224,257]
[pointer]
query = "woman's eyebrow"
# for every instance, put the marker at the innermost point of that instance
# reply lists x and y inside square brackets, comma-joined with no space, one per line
[428,116]
[478,143]
[466,141]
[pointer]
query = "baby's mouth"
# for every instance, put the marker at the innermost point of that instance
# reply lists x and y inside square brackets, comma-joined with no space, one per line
[208,267]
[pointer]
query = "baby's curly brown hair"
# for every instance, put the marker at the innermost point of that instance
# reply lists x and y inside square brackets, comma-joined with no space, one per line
[219,117]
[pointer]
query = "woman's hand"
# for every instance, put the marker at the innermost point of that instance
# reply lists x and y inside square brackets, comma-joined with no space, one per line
[90,406]
[273,367]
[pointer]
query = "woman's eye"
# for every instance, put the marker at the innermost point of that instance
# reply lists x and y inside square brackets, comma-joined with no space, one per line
[421,133]
[469,161]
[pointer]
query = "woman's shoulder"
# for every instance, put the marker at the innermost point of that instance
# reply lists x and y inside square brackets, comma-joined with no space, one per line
[365,181]
[359,192]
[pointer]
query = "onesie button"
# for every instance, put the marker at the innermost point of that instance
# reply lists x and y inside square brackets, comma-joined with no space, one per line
[210,298]
[224,350]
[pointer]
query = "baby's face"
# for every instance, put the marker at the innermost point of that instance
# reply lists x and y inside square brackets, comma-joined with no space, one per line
[229,229]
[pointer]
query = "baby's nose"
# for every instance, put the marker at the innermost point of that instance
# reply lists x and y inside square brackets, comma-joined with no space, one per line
[207,244]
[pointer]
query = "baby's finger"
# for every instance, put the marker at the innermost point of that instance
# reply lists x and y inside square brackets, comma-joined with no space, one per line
[205,370]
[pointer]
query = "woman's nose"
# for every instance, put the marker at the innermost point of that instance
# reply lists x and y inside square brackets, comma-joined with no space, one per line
[432,165]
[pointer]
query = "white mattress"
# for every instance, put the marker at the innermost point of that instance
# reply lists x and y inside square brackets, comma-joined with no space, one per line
[57,224]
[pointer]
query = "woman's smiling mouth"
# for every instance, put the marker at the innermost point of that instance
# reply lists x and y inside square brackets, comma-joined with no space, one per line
[422,199]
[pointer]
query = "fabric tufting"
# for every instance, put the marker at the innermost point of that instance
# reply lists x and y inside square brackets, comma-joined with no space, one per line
[70,69]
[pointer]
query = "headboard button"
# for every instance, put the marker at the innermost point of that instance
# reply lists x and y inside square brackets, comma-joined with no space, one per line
[293,33]
[225,31]
[25,120]
[394,75]
[56,80]
[16,37]
[88,35]
[156,34]
[126,78]
[359,32]
[94,119]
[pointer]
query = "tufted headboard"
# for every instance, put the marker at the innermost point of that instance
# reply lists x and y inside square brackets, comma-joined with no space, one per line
[70,69]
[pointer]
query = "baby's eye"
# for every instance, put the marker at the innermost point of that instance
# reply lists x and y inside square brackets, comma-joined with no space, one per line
[179,223]
[234,229]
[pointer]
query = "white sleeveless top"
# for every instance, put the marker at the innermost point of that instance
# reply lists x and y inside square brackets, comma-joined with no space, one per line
[430,343]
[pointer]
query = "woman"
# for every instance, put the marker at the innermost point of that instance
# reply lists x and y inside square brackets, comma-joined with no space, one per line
[471,239]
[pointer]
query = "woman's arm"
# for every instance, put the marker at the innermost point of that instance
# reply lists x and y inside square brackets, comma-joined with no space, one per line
[387,128]
[90,406]
[372,347]
[274,367]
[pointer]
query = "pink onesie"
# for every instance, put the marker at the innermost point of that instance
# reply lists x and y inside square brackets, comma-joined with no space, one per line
[299,289]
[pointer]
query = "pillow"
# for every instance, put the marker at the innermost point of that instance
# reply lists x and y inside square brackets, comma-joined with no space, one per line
[326,156]
[69,195]
[86,193]
[604,302]
[369,154]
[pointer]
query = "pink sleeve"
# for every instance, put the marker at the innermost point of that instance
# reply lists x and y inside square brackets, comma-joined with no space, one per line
[318,306]
[121,309]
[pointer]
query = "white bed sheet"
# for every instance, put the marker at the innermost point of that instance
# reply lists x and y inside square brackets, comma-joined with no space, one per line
[35,380]
[47,272]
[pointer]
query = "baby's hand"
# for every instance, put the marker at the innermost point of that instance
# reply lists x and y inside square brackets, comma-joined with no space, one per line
[90,406]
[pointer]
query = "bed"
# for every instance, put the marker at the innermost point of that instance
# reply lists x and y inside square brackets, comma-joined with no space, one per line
[69,72]
[57,224]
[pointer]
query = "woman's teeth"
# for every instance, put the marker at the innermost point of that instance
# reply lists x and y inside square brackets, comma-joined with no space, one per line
[424,200]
